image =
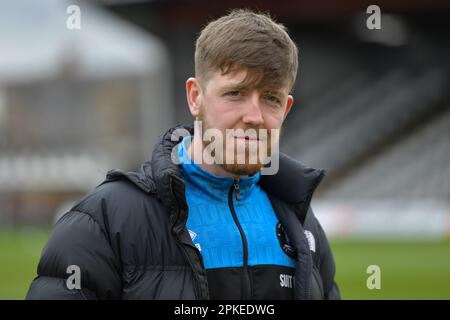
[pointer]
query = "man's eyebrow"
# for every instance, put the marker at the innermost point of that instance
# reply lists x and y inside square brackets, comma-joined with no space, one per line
[278,93]
[233,87]
[243,87]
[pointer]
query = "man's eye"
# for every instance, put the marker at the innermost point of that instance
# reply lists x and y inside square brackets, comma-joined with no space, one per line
[233,93]
[273,99]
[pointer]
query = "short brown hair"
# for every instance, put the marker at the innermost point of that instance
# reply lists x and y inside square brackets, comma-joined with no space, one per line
[245,39]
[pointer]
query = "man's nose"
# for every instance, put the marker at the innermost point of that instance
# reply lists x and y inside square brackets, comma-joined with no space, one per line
[253,115]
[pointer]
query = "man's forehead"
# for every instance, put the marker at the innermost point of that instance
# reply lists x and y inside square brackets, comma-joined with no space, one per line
[238,80]
[242,83]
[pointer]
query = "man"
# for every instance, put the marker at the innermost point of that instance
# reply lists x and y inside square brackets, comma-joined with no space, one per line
[191,227]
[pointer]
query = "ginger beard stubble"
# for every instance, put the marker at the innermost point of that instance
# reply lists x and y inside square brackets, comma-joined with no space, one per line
[236,156]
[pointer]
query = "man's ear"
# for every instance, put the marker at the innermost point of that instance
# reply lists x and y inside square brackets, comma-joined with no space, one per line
[289,102]
[193,95]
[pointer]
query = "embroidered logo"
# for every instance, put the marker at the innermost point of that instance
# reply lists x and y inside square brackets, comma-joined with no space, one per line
[311,240]
[193,236]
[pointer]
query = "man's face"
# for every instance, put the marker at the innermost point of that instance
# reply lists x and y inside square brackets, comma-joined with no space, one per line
[226,104]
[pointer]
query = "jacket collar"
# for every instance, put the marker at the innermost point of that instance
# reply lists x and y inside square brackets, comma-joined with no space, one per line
[294,182]
[213,186]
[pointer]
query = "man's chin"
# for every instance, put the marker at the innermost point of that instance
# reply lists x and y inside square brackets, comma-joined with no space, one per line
[241,169]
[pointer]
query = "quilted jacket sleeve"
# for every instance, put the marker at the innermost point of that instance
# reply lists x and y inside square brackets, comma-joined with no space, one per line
[327,266]
[78,246]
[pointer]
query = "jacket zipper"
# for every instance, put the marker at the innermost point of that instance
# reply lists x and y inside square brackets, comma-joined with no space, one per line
[236,190]
[246,284]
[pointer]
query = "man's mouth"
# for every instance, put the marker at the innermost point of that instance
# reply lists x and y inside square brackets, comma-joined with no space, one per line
[247,138]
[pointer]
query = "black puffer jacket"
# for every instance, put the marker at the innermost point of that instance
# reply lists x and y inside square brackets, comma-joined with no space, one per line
[129,239]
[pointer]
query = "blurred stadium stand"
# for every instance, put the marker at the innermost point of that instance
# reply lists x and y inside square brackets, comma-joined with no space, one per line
[359,113]
[371,110]
[73,103]
[415,167]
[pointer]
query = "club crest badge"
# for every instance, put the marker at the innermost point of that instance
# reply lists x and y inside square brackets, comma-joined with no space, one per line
[284,241]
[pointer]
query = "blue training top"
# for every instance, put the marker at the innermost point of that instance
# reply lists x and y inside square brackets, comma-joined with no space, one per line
[210,221]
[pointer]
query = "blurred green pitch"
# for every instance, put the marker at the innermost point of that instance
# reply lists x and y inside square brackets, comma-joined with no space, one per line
[409,270]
